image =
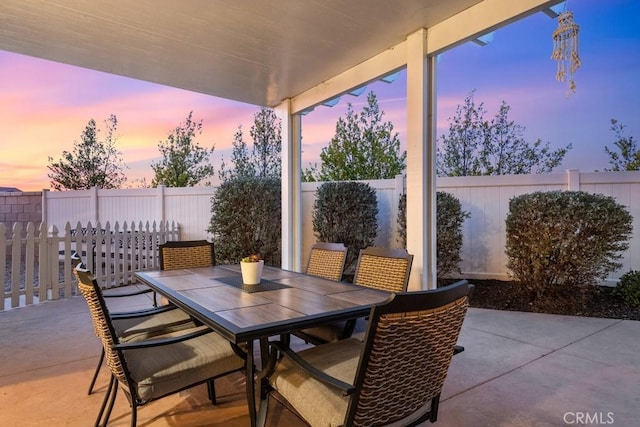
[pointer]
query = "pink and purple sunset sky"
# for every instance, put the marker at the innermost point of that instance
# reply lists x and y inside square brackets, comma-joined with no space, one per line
[46,105]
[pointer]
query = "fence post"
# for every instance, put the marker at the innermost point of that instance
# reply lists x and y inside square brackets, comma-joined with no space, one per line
[16,249]
[573,179]
[44,256]
[97,240]
[161,202]
[45,206]
[67,240]
[119,262]
[29,263]
[3,256]
[95,211]
[50,288]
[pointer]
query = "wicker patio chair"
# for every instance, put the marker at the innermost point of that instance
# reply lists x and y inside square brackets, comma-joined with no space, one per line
[394,377]
[140,324]
[327,260]
[378,268]
[151,369]
[383,268]
[186,254]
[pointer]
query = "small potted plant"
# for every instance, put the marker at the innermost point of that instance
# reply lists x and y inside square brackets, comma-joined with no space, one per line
[251,268]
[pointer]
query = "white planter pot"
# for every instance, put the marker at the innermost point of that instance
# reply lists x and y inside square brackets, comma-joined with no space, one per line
[251,272]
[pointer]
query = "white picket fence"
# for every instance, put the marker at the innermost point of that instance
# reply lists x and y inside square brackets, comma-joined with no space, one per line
[36,261]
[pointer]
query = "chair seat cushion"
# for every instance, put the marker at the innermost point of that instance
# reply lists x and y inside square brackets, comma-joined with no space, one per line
[167,368]
[142,328]
[319,404]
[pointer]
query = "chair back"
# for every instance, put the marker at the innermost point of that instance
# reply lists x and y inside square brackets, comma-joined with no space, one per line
[176,255]
[406,356]
[76,261]
[327,260]
[90,290]
[383,268]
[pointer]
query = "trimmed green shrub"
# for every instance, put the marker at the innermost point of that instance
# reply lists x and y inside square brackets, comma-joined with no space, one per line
[628,288]
[449,220]
[346,212]
[246,219]
[569,238]
[402,220]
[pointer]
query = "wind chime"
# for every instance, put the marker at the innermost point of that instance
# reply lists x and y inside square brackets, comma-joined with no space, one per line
[565,50]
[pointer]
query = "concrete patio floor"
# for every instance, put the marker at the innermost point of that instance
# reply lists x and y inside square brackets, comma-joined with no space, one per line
[519,369]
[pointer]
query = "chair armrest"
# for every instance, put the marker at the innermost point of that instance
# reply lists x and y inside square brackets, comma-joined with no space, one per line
[128,294]
[200,331]
[316,373]
[142,313]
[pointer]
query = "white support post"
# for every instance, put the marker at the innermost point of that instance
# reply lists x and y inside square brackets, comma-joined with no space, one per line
[421,179]
[291,187]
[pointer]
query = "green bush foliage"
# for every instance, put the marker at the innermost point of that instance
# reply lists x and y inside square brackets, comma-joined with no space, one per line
[346,212]
[449,220]
[569,238]
[246,219]
[402,220]
[629,288]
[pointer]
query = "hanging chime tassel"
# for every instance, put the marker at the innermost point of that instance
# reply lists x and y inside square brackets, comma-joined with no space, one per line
[565,50]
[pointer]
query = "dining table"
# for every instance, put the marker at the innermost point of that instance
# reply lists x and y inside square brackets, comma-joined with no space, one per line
[283,302]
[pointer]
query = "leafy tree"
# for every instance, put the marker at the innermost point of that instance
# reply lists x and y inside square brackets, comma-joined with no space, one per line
[264,160]
[93,163]
[240,159]
[184,163]
[364,147]
[475,146]
[267,143]
[506,152]
[466,135]
[628,159]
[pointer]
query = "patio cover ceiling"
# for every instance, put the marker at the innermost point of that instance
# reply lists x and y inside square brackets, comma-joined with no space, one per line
[287,54]
[254,51]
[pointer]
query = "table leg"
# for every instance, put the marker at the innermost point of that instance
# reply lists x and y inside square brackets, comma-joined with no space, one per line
[257,415]
[251,392]
[263,383]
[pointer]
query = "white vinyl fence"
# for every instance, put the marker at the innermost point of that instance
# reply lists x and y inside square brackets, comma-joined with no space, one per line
[37,265]
[191,208]
[485,198]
